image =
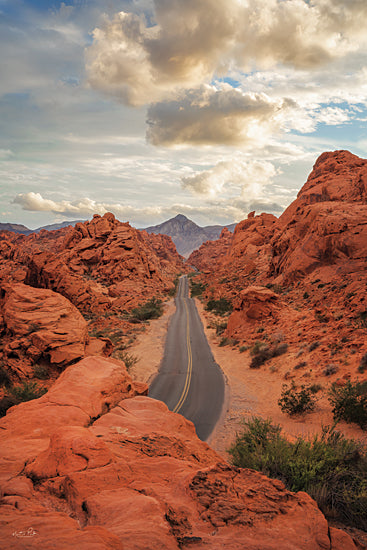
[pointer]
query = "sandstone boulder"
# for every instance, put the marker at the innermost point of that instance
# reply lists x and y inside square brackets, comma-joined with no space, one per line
[126,473]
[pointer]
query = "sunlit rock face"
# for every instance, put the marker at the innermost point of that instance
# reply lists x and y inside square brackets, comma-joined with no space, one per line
[95,462]
[314,256]
[98,265]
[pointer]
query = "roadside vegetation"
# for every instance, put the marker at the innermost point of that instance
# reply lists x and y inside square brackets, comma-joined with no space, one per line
[294,402]
[349,403]
[152,309]
[220,306]
[262,352]
[197,288]
[329,467]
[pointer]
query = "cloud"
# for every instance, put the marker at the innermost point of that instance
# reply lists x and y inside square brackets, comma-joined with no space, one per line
[142,217]
[245,178]
[209,116]
[192,42]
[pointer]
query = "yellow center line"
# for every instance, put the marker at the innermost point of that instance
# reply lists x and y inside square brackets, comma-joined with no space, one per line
[189,364]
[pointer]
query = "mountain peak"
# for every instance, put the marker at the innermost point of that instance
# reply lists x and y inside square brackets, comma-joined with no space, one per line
[186,234]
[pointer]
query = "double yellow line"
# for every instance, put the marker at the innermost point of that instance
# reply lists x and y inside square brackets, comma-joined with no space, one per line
[189,364]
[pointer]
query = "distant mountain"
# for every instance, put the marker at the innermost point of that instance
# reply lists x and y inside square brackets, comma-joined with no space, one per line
[18,228]
[55,226]
[186,234]
[15,228]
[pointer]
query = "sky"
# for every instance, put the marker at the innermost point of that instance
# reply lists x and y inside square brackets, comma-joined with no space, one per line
[151,108]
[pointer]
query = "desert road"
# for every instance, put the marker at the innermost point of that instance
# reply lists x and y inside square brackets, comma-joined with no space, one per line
[189,381]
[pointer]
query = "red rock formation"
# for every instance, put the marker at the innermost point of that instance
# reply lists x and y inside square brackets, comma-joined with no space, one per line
[211,253]
[39,324]
[315,255]
[97,265]
[106,470]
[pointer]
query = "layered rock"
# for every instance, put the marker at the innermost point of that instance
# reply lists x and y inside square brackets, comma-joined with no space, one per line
[98,265]
[211,253]
[39,324]
[107,470]
[314,256]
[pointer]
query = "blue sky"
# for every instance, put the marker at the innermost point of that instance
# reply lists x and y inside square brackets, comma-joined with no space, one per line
[150,108]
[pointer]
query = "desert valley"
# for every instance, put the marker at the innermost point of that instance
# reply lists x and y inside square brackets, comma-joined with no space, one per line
[89,459]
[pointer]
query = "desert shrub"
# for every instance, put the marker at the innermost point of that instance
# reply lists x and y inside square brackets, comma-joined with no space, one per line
[300,365]
[220,327]
[4,377]
[321,317]
[330,369]
[41,372]
[329,467]
[152,309]
[27,391]
[220,307]
[197,288]
[306,295]
[241,349]
[313,345]
[293,401]
[226,341]
[363,364]
[262,352]
[349,402]
[128,358]
[260,357]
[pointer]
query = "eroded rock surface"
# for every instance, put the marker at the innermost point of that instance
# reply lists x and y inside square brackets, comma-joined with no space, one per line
[95,465]
[314,257]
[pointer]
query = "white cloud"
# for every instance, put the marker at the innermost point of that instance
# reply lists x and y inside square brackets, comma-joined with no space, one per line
[143,216]
[242,178]
[194,41]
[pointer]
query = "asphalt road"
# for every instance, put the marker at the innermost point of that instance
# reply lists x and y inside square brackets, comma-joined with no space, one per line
[189,380]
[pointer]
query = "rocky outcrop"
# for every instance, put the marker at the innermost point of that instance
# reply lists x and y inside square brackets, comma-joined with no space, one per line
[98,265]
[94,464]
[39,324]
[314,256]
[211,253]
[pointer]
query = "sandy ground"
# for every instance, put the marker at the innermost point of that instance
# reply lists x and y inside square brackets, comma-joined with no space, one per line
[255,392]
[249,392]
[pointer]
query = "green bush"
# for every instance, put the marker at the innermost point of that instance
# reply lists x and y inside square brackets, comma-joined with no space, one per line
[197,288]
[349,402]
[295,402]
[262,352]
[152,309]
[128,358]
[220,307]
[27,391]
[329,467]
[227,341]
